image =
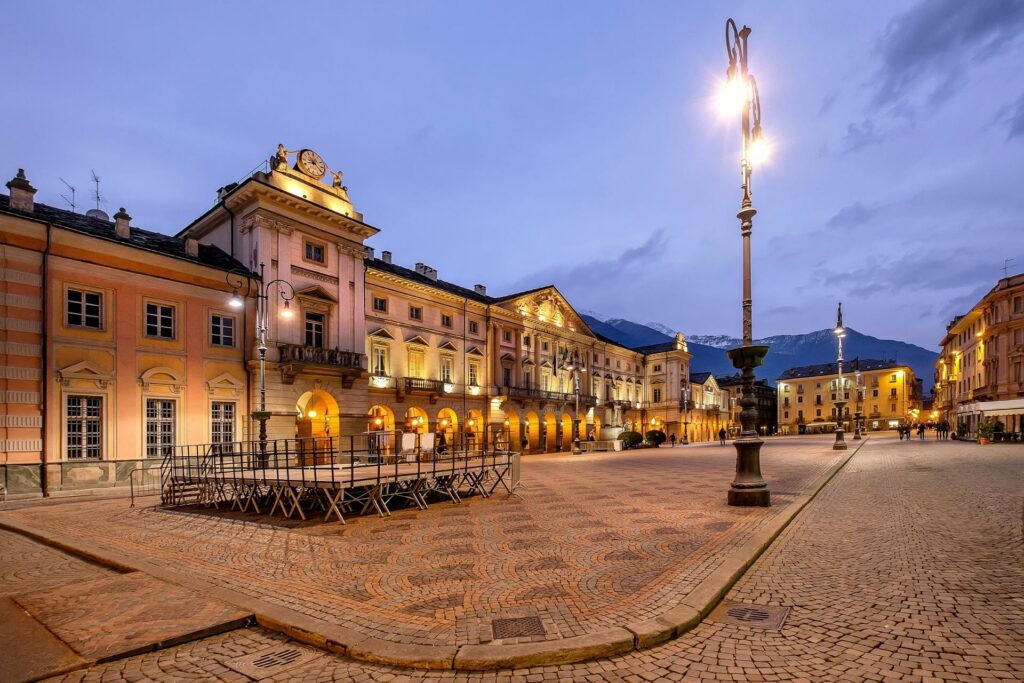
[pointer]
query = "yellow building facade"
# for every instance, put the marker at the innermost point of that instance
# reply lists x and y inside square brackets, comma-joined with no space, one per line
[808,396]
[122,344]
[980,371]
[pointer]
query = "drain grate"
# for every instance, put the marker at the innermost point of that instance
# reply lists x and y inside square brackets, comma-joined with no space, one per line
[755,616]
[522,627]
[273,660]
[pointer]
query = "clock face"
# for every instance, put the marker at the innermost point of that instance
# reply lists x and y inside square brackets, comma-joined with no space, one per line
[310,163]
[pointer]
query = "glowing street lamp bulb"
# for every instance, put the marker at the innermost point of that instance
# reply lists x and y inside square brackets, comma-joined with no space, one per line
[758,152]
[287,312]
[236,301]
[311,413]
[731,96]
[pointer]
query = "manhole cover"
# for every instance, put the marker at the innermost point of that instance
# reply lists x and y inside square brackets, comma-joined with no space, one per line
[273,660]
[522,627]
[755,616]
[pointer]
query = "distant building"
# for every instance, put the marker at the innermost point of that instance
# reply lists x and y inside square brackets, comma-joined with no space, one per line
[807,396]
[767,403]
[980,370]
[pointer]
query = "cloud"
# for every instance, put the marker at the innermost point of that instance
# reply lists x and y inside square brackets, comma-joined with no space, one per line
[826,104]
[932,47]
[600,272]
[860,135]
[1012,116]
[852,216]
[916,271]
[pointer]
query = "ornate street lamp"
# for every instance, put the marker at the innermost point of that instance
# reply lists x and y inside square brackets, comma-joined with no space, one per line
[576,367]
[749,487]
[238,281]
[859,417]
[840,332]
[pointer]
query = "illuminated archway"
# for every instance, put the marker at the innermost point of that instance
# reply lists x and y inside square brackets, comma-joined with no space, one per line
[380,418]
[597,427]
[316,415]
[550,433]
[566,432]
[415,420]
[532,434]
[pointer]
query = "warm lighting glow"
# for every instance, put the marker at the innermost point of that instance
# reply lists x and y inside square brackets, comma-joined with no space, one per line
[506,422]
[287,311]
[311,413]
[378,422]
[236,300]
[449,387]
[840,332]
[380,381]
[444,422]
[758,151]
[732,95]
[472,422]
[475,391]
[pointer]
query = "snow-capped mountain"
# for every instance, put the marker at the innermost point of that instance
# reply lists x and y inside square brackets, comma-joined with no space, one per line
[664,329]
[719,341]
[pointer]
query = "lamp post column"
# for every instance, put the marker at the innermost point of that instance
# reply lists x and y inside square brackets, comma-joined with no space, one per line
[749,487]
[857,429]
[840,331]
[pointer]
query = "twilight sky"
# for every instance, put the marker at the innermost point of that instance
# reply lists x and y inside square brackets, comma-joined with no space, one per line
[572,143]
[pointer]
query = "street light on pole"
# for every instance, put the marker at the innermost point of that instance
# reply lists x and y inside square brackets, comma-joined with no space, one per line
[576,366]
[749,487]
[859,417]
[238,281]
[840,332]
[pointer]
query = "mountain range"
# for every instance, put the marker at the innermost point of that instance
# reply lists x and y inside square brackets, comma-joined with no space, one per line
[785,350]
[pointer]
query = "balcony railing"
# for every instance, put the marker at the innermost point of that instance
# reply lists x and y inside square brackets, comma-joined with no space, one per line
[540,394]
[314,355]
[419,384]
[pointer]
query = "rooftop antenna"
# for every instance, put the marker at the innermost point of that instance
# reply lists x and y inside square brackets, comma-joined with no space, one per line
[1006,265]
[71,189]
[96,193]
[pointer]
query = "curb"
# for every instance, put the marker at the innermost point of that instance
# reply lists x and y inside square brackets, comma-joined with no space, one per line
[615,640]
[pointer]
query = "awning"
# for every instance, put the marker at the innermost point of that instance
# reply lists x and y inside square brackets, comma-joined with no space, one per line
[1010,407]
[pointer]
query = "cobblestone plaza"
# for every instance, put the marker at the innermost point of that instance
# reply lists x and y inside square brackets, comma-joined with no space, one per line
[907,565]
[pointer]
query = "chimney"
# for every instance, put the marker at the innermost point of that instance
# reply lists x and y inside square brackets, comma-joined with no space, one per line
[367,252]
[191,247]
[121,220]
[385,256]
[480,289]
[426,271]
[22,192]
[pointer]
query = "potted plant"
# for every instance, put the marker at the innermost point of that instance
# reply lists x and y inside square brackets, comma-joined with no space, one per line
[986,429]
[630,439]
[656,437]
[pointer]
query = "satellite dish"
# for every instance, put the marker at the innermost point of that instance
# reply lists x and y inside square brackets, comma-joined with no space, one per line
[98,213]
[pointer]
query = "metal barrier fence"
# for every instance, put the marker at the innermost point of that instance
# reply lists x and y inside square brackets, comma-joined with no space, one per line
[354,473]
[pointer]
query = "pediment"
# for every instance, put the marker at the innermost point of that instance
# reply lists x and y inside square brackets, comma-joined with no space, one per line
[448,346]
[225,382]
[161,375]
[85,371]
[528,361]
[547,305]
[545,364]
[507,356]
[417,340]
[474,351]
[381,333]
[316,292]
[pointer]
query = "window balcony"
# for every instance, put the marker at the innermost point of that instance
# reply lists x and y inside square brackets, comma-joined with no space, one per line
[418,384]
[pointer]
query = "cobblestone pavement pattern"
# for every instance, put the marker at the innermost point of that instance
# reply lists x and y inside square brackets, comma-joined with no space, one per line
[907,567]
[589,542]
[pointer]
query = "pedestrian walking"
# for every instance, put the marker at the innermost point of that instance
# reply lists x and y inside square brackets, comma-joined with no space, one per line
[920,432]
[721,436]
[673,439]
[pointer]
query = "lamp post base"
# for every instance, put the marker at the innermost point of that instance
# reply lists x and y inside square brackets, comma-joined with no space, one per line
[750,498]
[749,489]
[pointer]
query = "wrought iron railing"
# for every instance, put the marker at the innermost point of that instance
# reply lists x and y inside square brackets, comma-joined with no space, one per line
[420,384]
[314,355]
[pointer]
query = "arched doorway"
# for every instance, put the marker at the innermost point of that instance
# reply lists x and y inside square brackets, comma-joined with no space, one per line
[415,420]
[597,427]
[566,432]
[513,434]
[473,429]
[316,415]
[532,432]
[550,433]
[380,418]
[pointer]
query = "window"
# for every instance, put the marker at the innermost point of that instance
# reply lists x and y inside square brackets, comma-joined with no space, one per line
[84,420]
[380,304]
[543,346]
[817,412]
[474,327]
[892,379]
[657,395]
[618,363]
[415,368]
[786,415]
[1018,304]
[159,427]
[526,342]
[380,360]
[447,369]
[446,320]
[315,252]
[159,321]
[84,309]
[892,392]
[506,335]
[799,414]
[222,422]
[506,377]
[474,370]
[874,393]
[892,407]
[416,313]
[222,330]
[657,368]
[799,399]
[315,330]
